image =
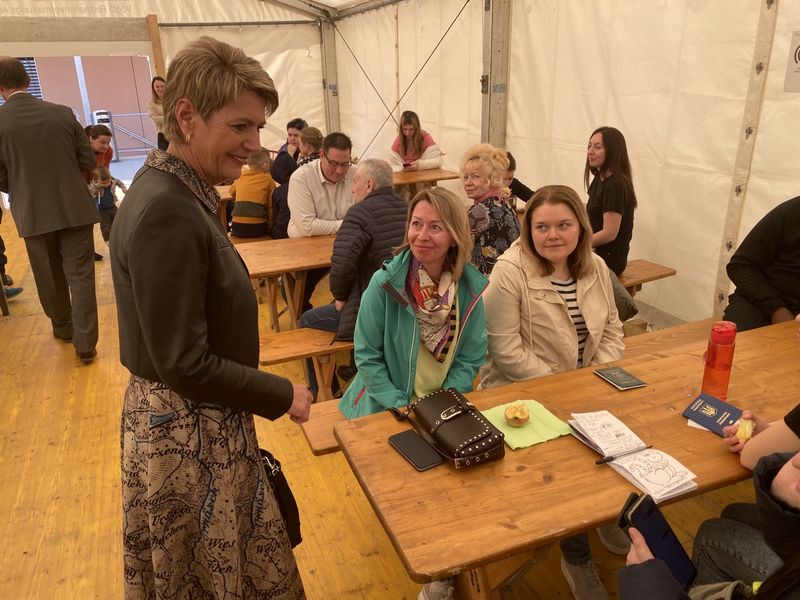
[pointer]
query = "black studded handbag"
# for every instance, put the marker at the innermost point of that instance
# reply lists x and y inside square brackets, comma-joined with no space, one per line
[451,424]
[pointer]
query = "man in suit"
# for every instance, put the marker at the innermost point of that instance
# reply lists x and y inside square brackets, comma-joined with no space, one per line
[43,150]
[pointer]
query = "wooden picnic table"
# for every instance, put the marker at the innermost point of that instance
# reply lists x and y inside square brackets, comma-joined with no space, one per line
[416,180]
[482,524]
[293,257]
[639,271]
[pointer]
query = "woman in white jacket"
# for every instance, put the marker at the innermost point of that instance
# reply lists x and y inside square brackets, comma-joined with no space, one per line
[550,308]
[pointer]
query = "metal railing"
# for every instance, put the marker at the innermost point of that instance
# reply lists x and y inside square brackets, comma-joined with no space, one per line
[142,150]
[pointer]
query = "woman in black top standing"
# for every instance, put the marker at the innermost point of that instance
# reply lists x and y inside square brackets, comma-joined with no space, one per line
[611,196]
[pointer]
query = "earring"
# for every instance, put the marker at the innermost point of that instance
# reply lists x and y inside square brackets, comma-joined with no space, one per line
[188,136]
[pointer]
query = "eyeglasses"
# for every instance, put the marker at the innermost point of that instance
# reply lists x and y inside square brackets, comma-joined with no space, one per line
[336,164]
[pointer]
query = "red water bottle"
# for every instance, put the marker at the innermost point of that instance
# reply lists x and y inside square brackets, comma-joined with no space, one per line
[719,359]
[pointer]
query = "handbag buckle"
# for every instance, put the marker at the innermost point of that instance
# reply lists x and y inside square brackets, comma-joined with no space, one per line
[274,466]
[449,413]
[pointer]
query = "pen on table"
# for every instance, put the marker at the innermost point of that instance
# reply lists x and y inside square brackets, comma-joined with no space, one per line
[608,459]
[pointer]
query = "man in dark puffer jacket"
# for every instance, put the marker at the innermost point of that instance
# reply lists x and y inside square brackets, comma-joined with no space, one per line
[371,229]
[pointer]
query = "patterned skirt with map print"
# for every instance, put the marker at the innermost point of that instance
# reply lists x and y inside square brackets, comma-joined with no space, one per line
[200,519]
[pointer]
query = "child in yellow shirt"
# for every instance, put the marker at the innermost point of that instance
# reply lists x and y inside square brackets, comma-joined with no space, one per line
[252,212]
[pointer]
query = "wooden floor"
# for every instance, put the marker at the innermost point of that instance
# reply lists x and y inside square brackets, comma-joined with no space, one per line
[59,475]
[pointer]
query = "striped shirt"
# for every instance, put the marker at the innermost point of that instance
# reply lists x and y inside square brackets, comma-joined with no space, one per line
[569,293]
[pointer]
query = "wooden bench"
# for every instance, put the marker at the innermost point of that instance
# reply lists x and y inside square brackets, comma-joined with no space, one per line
[639,271]
[319,427]
[298,344]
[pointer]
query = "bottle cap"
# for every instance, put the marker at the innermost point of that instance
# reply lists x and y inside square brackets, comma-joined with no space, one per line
[723,332]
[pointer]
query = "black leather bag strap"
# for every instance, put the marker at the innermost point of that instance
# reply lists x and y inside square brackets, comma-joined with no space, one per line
[401,415]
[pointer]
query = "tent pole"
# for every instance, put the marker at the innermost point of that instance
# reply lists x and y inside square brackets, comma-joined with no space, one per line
[330,78]
[737,196]
[155,42]
[494,82]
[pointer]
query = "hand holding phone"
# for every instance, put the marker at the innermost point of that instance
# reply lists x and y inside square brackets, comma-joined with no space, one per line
[640,552]
[643,514]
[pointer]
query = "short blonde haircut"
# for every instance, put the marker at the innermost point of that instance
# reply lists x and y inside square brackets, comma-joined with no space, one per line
[211,74]
[493,162]
[580,262]
[454,216]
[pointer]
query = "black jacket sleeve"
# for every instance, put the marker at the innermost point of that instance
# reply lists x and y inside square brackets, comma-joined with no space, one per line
[351,239]
[780,523]
[280,212]
[520,190]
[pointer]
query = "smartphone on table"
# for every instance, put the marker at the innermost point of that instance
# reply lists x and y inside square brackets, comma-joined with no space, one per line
[642,513]
[415,450]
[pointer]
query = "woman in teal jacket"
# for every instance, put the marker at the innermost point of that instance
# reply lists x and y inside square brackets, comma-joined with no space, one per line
[421,325]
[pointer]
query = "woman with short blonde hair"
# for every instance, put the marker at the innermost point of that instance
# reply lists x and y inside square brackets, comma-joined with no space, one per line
[200,517]
[212,75]
[493,222]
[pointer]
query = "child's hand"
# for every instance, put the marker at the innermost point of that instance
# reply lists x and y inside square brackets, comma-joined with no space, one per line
[729,433]
[640,551]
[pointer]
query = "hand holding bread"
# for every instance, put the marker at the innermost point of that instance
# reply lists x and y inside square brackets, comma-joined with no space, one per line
[738,434]
[745,430]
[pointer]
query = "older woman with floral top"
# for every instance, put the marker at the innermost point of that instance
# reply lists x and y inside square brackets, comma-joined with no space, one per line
[493,223]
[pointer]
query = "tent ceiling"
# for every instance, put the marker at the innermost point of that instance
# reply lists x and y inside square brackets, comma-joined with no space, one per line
[335,9]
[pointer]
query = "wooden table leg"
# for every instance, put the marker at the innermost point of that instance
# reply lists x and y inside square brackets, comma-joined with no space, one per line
[295,284]
[324,370]
[484,583]
[272,298]
[633,289]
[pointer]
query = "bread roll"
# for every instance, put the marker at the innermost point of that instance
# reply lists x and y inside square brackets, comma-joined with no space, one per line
[745,431]
[517,415]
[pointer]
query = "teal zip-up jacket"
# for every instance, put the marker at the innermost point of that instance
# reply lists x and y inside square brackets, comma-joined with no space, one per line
[387,340]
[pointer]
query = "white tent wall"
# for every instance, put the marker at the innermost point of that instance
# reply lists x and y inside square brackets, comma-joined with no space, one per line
[289,53]
[673,77]
[446,95]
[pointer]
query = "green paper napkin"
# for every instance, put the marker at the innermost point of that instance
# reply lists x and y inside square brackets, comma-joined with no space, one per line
[542,426]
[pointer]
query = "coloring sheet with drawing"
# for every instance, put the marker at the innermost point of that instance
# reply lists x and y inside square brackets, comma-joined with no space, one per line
[605,433]
[652,471]
[656,473]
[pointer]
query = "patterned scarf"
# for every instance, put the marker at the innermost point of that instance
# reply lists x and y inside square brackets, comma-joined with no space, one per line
[169,163]
[435,307]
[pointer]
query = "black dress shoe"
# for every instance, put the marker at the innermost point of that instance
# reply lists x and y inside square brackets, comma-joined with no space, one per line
[346,372]
[86,357]
[97,257]
[7,281]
